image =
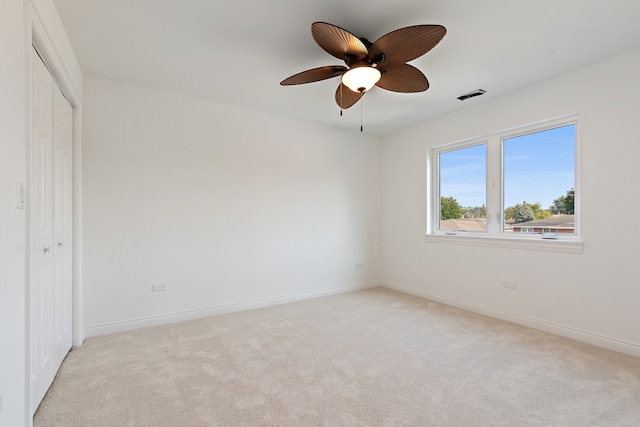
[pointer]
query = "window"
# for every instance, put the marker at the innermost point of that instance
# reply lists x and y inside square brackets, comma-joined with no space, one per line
[463,188]
[518,183]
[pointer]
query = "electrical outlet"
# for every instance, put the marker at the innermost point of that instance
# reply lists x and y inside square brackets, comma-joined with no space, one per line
[358,265]
[510,285]
[158,287]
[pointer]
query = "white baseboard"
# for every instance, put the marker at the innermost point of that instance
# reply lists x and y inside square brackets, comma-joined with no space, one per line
[553,328]
[128,325]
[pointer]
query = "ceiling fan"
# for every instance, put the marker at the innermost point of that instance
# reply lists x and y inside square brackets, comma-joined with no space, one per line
[382,63]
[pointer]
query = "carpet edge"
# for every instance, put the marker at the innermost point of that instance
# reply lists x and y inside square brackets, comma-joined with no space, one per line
[542,325]
[143,322]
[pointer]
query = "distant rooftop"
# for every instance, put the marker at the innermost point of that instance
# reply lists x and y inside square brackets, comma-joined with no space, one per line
[480,224]
[557,221]
[464,224]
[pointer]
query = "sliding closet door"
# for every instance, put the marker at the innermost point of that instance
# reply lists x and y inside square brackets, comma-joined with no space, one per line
[50,229]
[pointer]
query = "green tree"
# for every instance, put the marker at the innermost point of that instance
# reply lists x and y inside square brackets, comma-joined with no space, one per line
[557,206]
[475,212]
[524,213]
[536,208]
[538,212]
[543,214]
[450,208]
[510,212]
[564,204]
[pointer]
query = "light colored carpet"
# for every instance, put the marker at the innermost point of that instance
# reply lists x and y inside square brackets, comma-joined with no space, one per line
[368,358]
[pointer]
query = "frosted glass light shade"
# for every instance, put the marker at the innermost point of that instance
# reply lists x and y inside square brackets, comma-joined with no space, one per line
[361,79]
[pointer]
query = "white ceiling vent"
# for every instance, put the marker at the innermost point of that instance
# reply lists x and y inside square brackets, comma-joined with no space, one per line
[472,94]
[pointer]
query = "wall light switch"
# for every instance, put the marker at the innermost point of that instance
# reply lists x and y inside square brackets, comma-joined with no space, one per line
[20,195]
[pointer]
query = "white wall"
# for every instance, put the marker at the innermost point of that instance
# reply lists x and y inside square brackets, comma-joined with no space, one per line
[224,205]
[13,20]
[596,292]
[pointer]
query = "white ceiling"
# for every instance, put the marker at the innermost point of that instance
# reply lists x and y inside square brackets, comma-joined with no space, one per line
[237,52]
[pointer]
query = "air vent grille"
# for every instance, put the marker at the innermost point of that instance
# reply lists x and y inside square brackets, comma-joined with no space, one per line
[472,94]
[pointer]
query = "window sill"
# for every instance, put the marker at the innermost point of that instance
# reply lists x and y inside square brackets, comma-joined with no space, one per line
[532,244]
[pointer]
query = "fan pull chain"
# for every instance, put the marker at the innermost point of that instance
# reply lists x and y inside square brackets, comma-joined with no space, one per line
[341,103]
[361,102]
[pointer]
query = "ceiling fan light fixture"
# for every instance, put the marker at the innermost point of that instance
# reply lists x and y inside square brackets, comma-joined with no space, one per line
[361,79]
[383,63]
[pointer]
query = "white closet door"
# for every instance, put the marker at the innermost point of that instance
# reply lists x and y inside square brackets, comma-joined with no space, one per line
[50,223]
[62,224]
[41,220]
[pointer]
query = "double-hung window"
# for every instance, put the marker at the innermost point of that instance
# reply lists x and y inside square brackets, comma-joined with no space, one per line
[509,188]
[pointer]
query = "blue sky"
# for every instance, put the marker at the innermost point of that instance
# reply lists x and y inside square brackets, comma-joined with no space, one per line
[538,167]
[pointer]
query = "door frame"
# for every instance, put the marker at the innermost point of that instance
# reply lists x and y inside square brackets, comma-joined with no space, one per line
[50,43]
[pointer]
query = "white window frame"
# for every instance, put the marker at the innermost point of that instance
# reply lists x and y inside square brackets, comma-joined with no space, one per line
[495,236]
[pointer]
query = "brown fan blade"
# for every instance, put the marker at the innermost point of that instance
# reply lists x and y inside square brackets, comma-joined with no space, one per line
[314,75]
[404,78]
[345,97]
[338,42]
[406,44]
